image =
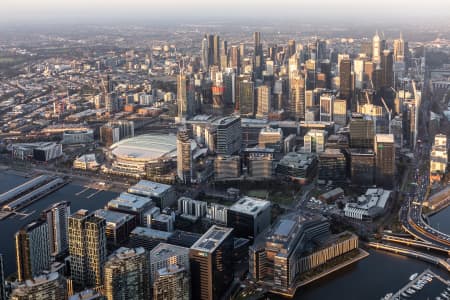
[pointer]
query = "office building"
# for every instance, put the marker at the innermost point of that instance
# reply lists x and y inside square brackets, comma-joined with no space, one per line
[118,226]
[205,54]
[78,137]
[246,98]
[127,275]
[368,206]
[385,160]
[217,213]
[297,103]
[340,112]
[346,79]
[301,167]
[332,166]
[362,166]
[235,59]
[271,138]
[32,250]
[56,217]
[226,166]
[184,157]
[314,141]
[40,151]
[399,49]
[438,158]
[165,255]
[87,248]
[358,70]
[249,217]
[185,96]
[163,222]
[326,107]
[211,263]
[376,48]
[163,195]
[51,286]
[228,135]
[387,69]
[172,282]
[260,166]
[131,204]
[362,133]
[264,101]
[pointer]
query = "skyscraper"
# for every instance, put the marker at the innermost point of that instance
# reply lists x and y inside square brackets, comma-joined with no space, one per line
[384,160]
[246,98]
[264,101]
[235,59]
[297,97]
[387,69]
[184,156]
[56,217]
[216,51]
[258,55]
[376,48]
[127,275]
[205,54]
[172,282]
[87,248]
[229,135]
[291,48]
[361,133]
[32,250]
[326,107]
[399,49]
[211,263]
[164,255]
[345,77]
[185,96]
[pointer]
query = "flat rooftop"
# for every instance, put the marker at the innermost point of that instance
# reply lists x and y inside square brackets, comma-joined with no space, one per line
[151,233]
[149,188]
[212,239]
[250,205]
[163,251]
[113,218]
[130,201]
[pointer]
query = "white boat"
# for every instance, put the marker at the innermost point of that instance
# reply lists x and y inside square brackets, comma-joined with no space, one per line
[413,276]
[411,291]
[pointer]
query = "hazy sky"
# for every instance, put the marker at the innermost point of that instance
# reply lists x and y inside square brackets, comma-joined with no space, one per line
[16,11]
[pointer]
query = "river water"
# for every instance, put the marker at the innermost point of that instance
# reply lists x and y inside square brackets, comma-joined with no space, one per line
[370,278]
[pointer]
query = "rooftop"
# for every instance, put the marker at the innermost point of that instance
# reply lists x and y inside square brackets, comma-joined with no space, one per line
[130,201]
[113,218]
[212,239]
[163,251]
[250,205]
[384,138]
[149,188]
[151,233]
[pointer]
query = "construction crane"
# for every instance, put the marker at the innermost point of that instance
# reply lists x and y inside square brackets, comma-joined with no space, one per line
[389,112]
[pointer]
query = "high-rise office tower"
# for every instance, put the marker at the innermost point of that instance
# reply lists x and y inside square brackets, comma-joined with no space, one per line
[56,217]
[50,286]
[235,59]
[326,107]
[376,48]
[362,166]
[229,135]
[297,97]
[387,69]
[87,248]
[216,51]
[264,101]
[229,87]
[211,263]
[246,98]
[184,156]
[210,49]
[205,54]
[172,282]
[32,250]
[322,50]
[258,56]
[362,133]
[315,140]
[2,280]
[399,49]
[185,96]
[291,48]
[358,70]
[340,112]
[385,160]
[223,48]
[242,50]
[127,275]
[345,77]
